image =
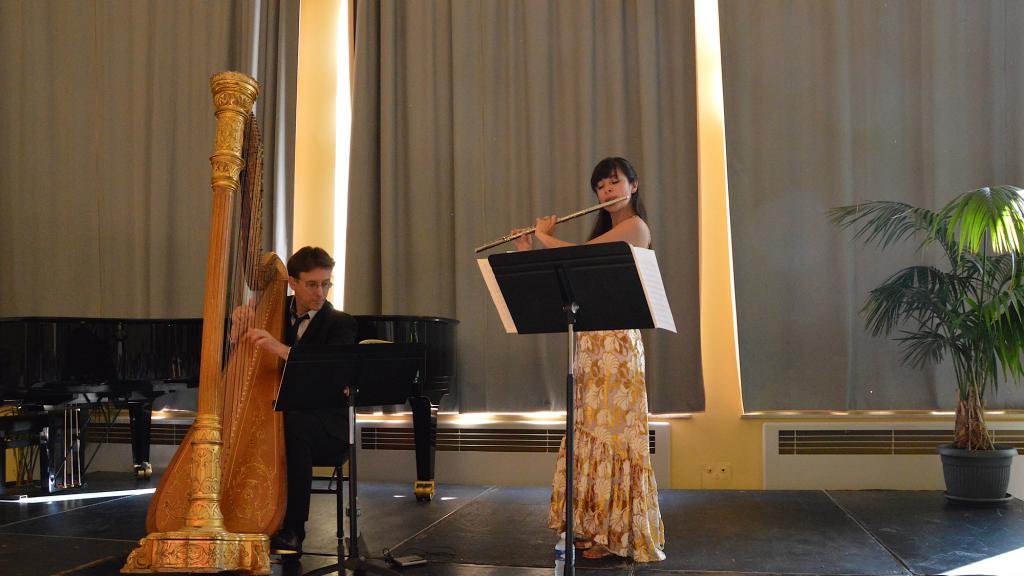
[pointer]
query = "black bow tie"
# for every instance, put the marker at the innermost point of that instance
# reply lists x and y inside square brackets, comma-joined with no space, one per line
[296,318]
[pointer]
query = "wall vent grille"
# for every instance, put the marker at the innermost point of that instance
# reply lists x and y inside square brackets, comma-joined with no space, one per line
[472,439]
[377,438]
[892,442]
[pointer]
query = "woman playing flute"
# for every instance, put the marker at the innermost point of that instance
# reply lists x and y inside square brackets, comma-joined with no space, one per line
[616,498]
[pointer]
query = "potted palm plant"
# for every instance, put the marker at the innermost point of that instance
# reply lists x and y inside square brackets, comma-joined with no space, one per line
[971,313]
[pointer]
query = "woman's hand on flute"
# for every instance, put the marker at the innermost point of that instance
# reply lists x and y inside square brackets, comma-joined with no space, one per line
[546,225]
[524,242]
[545,233]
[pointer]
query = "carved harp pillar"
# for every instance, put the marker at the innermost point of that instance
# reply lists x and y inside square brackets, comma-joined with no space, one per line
[224,491]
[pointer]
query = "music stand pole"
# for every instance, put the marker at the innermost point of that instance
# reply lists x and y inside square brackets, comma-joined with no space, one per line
[355,561]
[353,521]
[570,462]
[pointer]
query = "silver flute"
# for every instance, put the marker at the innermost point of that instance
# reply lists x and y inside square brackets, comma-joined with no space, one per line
[560,219]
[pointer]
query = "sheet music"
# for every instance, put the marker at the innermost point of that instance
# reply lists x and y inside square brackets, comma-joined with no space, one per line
[497,296]
[654,290]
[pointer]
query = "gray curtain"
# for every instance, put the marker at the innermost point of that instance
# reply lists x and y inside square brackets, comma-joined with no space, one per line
[267,36]
[108,127]
[473,117]
[834,102]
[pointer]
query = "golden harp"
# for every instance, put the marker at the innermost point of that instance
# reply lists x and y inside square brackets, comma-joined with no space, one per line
[224,491]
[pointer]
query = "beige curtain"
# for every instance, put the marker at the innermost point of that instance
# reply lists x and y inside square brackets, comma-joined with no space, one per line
[108,127]
[833,102]
[473,117]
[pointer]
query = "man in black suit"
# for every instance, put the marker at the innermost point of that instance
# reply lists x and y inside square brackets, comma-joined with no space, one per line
[311,320]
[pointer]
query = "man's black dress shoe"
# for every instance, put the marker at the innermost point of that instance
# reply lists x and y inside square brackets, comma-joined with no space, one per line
[286,542]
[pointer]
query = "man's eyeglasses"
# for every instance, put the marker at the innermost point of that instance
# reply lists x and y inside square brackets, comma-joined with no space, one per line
[313,284]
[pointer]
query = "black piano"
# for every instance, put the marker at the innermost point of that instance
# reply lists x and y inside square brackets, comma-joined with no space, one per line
[54,369]
[438,335]
[48,363]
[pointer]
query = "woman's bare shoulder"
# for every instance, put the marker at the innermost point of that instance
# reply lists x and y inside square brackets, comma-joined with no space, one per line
[637,222]
[633,230]
[637,229]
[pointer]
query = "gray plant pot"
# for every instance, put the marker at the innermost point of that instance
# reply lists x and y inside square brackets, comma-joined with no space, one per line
[980,476]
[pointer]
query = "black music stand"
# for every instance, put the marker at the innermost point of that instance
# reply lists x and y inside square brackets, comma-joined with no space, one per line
[316,377]
[584,288]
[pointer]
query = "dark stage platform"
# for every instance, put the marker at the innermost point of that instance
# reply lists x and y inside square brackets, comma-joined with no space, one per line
[494,531]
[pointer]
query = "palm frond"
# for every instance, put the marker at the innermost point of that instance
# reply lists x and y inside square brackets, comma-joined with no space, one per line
[882,221]
[992,214]
[923,347]
[921,293]
[1005,315]
[1001,271]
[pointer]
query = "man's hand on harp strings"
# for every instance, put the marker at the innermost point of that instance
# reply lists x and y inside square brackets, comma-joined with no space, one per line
[262,339]
[242,318]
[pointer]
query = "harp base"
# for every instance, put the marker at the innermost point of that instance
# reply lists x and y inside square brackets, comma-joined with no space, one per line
[200,552]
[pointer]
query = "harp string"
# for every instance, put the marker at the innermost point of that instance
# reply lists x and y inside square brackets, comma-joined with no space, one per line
[247,280]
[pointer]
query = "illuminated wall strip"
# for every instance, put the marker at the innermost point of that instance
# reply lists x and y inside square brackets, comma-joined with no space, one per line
[343,138]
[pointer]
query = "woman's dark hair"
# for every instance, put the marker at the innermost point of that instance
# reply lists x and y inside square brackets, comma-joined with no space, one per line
[606,169]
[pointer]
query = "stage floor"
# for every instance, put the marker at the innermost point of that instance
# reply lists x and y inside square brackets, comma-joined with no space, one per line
[496,531]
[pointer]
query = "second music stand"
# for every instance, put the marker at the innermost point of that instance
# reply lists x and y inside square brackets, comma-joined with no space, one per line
[316,377]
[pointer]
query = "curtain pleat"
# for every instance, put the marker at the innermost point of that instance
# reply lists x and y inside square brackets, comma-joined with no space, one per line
[835,102]
[108,128]
[474,117]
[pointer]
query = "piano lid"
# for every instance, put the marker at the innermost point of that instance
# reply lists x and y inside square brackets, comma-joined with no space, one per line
[59,352]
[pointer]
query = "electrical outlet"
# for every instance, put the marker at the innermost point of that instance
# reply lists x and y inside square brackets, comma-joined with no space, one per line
[716,475]
[724,472]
